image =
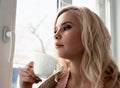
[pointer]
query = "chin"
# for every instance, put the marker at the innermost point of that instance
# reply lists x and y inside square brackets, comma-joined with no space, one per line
[63,56]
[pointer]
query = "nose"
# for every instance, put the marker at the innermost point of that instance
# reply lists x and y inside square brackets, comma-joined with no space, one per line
[57,35]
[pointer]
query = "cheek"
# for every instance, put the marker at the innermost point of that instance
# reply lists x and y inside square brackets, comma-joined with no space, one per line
[74,42]
[74,48]
[72,39]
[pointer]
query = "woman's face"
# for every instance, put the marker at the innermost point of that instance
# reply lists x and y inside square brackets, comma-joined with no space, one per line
[68,35]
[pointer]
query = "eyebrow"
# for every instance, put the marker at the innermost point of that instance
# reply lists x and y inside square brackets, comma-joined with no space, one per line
[67,22]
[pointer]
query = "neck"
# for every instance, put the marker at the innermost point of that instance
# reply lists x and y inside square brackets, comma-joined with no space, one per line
[75,76]
[75,79]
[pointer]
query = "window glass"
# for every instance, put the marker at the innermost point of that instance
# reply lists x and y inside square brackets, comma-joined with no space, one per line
[91,4]
[34,31]
[34,23]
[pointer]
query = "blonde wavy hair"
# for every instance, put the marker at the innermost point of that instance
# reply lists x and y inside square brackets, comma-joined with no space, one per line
[96,40]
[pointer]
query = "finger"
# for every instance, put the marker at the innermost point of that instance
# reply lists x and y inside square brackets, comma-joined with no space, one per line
[26,77]
[29,79]
[30,64]
[29,72]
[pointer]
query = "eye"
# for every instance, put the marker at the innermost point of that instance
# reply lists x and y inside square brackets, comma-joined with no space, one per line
[67,27]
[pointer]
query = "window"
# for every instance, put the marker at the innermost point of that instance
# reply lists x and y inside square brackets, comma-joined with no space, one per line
[34,23]
[34,31]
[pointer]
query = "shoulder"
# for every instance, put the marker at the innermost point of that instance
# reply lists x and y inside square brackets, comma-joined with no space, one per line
[50,82]
[57,80]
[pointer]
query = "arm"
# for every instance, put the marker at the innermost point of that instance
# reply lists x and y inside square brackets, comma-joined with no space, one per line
[27,76]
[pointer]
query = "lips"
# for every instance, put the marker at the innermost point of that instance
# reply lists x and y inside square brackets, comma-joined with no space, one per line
[58,45]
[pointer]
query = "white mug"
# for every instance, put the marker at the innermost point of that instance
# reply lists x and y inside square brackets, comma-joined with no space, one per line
[44,65]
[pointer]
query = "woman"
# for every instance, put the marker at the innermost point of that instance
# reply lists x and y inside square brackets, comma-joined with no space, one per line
[82,42]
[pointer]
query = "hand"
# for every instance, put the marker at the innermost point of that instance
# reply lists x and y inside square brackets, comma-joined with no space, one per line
[27,76]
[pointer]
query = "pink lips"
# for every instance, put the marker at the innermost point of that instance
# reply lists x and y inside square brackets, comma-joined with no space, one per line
[58,45]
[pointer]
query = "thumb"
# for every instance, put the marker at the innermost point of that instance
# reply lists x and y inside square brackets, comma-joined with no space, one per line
[30,64]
